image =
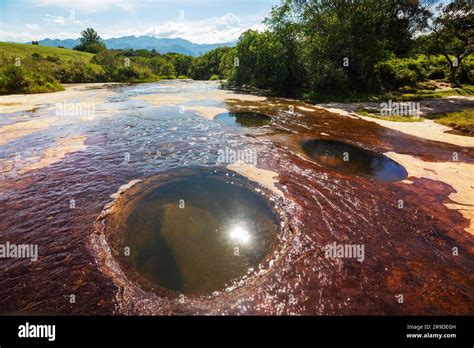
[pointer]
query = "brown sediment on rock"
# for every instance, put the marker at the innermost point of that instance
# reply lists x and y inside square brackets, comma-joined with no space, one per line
[23,102]
[408,250]
[266,178]
[17,130]
[429,197]
[456,174]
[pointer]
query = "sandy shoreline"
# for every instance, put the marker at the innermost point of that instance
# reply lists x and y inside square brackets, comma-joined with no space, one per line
[24,102]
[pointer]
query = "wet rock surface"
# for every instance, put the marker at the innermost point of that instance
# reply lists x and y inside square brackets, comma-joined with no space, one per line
[408,251]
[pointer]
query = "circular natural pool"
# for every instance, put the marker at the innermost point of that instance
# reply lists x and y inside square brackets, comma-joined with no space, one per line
[243,119]
[353,160]
[194,233]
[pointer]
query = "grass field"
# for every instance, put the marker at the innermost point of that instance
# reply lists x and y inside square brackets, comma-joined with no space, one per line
[394,118]
[462,121]
[42,68]
[464,90]
[13,50]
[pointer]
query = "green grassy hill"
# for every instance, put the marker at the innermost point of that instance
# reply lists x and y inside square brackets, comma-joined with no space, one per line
[43,68]
[12,50]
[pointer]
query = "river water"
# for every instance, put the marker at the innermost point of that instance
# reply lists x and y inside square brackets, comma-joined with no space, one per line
[407,250]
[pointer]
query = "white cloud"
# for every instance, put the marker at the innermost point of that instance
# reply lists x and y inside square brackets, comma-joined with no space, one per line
[227,28]
[71,19]
[34,27]
[28,36]
[228,21]
[87,5]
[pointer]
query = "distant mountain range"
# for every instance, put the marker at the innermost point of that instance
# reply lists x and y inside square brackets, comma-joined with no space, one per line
[145,42]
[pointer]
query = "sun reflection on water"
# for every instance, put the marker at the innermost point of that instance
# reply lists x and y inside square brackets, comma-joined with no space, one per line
[240,234]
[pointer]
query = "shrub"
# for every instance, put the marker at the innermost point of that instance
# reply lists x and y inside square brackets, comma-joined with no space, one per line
[426,86]
[14,80]
[466,74]
[214,77]
[53,59]
[78,72]
[407,89]
[399,72]
[36,56]
[20,80]
[437,73]
[94,48]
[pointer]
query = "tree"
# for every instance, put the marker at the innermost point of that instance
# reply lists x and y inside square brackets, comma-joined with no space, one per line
[162,67]
[209,64]
[90,42]
[228,63]
[315,47]
[264,63]
[182,63]
[453,33]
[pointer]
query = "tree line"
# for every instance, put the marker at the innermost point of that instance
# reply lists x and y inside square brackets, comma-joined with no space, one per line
[311,48]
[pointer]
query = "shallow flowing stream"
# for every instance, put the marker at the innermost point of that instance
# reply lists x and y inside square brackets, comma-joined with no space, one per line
[242,248]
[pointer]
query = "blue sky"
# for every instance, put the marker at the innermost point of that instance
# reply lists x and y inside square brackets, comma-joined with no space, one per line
[200,21]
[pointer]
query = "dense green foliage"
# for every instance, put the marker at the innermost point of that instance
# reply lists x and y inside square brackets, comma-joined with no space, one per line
[315,48]
[19,80]
[453,35]
[209,64]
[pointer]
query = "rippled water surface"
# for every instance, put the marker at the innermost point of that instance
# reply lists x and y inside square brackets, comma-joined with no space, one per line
[138,132]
